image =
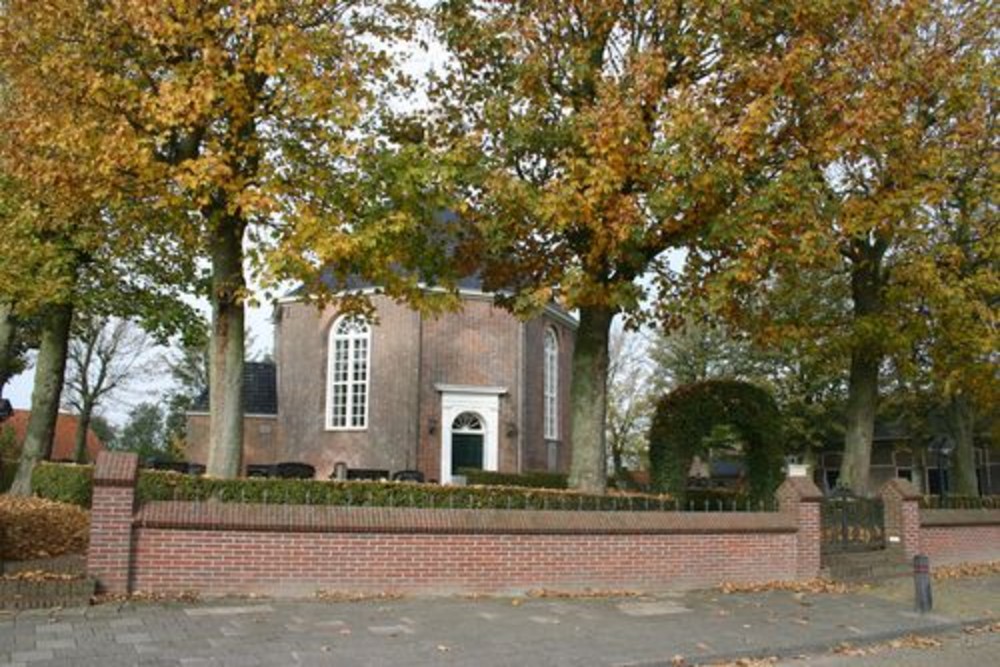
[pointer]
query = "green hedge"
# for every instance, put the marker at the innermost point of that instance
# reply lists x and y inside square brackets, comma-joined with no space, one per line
[161,485]
[686,416]
[64,482]
[73,483]
[8,469]
[533,480]
[960,502]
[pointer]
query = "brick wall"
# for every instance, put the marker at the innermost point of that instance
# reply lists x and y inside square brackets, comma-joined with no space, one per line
[945,536]
[954,536]
[217,548]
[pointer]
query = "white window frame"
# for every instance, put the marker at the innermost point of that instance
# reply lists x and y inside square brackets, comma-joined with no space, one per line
[352,338]
[550,385]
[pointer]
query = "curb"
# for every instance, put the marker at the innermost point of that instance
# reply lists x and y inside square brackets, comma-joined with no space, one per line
[814,648]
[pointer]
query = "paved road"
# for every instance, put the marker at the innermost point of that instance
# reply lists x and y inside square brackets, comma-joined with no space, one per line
[488,632]
[956,650]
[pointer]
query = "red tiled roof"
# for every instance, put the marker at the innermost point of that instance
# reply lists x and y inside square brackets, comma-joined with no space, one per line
[62,443]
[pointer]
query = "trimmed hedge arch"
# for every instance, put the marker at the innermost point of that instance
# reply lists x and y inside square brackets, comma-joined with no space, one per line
[685,416]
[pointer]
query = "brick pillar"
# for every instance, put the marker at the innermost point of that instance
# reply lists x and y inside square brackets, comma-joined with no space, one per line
[902,516]
[109,557]
[800,497]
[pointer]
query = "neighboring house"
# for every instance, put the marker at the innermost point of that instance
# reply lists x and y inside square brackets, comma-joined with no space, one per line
[896,454]
[476,388]
[63,443]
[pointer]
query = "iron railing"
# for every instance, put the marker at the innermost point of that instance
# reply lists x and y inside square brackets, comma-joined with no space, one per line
[851,523]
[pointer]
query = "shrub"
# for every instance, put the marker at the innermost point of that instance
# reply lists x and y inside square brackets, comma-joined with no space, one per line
[960,502]
[64,482]
[159,485]
[534,479]
[8,469]
[37,528]
[685,417]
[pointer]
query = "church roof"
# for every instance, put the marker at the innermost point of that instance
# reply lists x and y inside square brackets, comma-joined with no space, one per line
[260,390]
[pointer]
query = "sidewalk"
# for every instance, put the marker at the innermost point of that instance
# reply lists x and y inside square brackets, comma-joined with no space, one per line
[701,626]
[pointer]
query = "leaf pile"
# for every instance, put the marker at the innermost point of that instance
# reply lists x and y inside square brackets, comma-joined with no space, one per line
[40,575]
[918,642]
[810,586]
[33,528]
[145,596]
[963,570]
[584,594]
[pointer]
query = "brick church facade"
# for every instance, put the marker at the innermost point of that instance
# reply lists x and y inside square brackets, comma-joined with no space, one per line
[474,388]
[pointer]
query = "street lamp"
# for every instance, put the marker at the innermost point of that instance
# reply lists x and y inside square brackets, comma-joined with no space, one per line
[943,446]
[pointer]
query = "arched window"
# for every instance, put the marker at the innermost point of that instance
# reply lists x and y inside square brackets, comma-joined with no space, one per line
[551,391]
[347,374]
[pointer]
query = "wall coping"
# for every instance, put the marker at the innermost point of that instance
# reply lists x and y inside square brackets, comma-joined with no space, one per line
[116,469]
[971,517]
[803,487]
[310,518]
[901,488]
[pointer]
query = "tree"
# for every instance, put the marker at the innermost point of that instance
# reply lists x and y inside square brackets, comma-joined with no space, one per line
[104,356]
[239,116]
[588,138]
[873,130]
[188,366]
[629,401]
[74,236]
[143,433]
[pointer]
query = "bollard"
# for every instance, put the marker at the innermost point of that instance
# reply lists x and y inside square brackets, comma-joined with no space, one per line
[922,583]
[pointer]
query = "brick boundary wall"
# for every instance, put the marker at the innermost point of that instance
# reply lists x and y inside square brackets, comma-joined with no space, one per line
[956,536]
[280,550]
[945,536]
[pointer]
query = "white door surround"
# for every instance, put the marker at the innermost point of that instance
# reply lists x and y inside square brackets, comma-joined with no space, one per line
[484,402]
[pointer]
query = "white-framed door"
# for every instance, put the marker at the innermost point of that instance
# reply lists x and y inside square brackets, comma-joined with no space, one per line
[458,410]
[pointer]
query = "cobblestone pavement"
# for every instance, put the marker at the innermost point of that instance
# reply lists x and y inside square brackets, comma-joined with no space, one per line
[485,632]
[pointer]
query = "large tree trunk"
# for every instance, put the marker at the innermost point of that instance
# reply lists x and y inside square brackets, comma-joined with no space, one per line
[862,397]
[7,336]
[961,424]
[866,357]
[49,371]
[589,398]
[225,455]
[80,437]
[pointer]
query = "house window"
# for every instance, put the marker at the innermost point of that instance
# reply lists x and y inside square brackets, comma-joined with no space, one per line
[347,385]
[551,385]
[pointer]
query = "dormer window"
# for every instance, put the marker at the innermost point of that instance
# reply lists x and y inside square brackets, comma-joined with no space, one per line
[348,371]
[551,393]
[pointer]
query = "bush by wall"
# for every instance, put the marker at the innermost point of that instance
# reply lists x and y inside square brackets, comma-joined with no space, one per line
[64,482]
[74,484]
[534,480]
[159,485]
[8,469]
[684,418]
[960,502]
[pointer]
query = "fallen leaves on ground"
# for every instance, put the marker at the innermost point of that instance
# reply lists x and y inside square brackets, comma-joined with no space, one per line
[582,594]
[962,570]
[144,596]
[918,642]
[40,575]
[982,629]
[33,528]
[348,596]
[810,586]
